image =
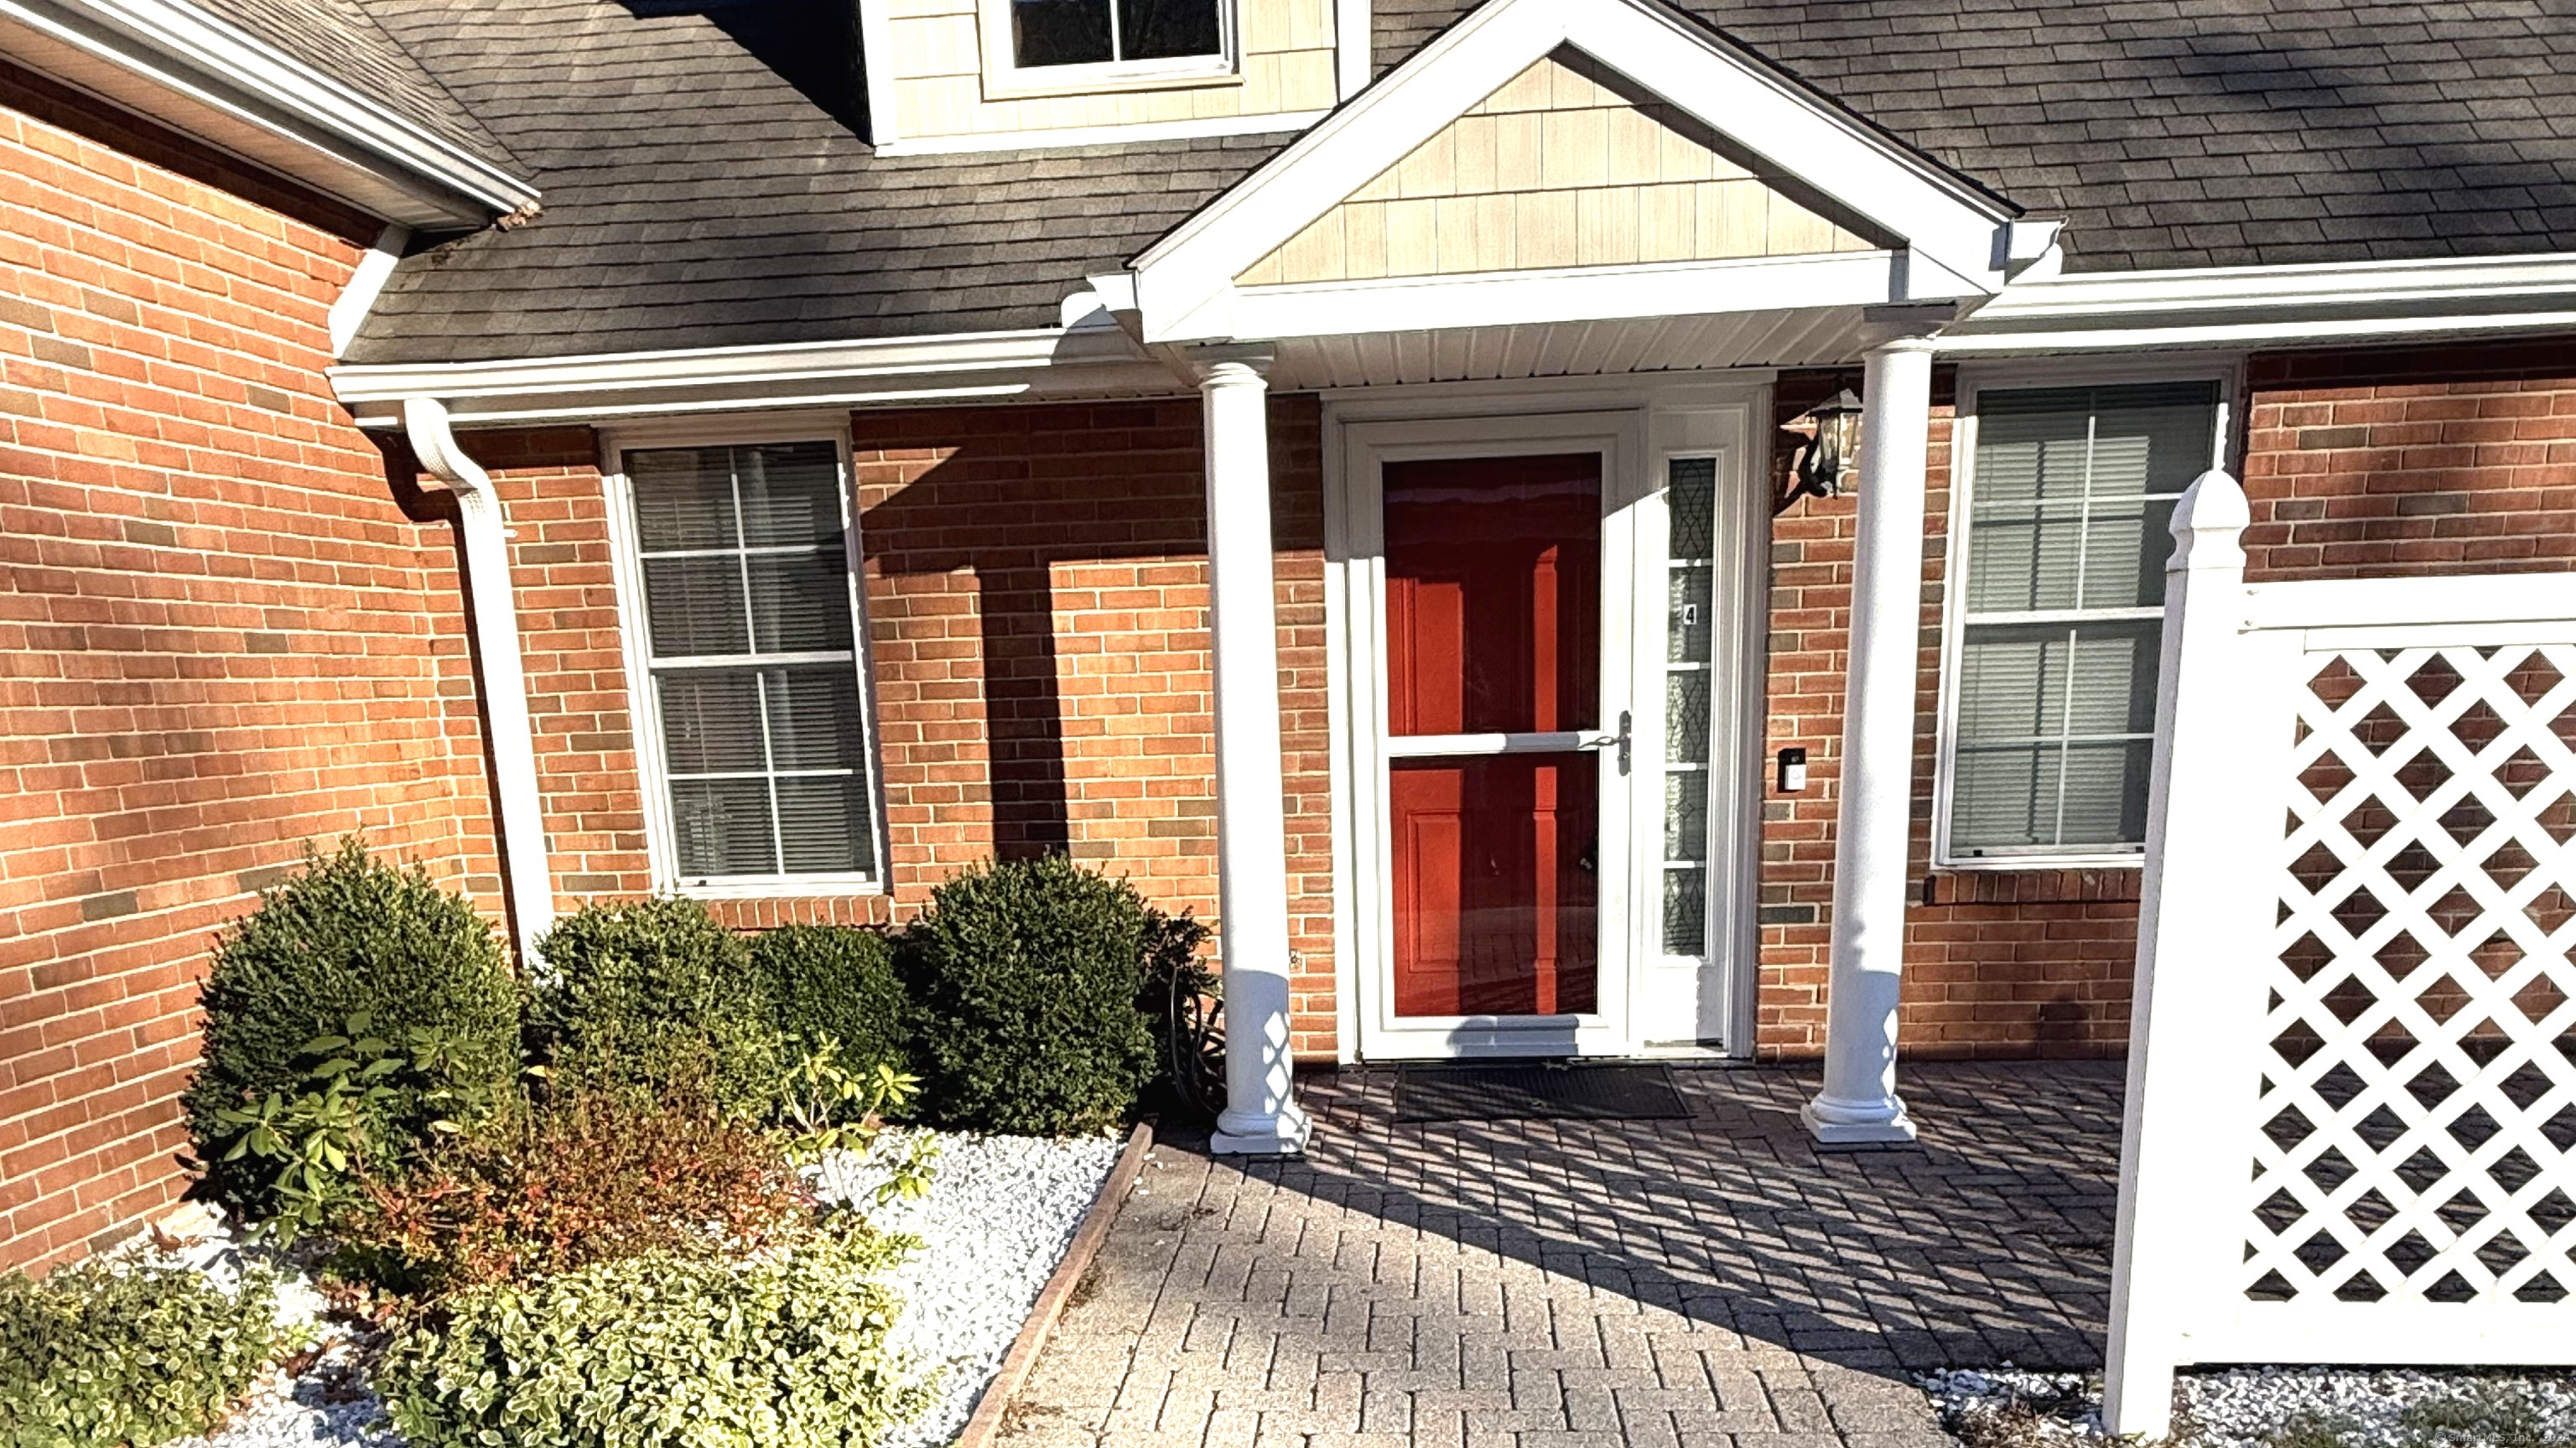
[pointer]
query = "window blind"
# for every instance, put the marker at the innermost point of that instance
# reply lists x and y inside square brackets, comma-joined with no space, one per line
[2071,496]
[752,639]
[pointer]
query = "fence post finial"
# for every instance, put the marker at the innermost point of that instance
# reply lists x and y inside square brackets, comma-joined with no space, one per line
[2207,524]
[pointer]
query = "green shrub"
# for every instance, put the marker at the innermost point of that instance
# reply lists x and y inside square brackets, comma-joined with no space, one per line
[96,1354]
[587,1177]
[785,1350]
[1025,976]
[836,983]
[656,996]
[350,937]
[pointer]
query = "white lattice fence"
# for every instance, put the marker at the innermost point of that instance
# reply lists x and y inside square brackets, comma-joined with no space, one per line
[2352,1104]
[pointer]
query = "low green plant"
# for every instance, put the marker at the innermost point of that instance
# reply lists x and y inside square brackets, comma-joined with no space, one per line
[101,1353]
[783,1350]
[653,995]
[589,1175]
[1026,976]
[837,983]
[827,1110]
[350,936]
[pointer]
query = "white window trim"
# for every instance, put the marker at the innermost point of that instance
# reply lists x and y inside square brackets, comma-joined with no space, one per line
[643,714]
[1975,379]
[1006,79]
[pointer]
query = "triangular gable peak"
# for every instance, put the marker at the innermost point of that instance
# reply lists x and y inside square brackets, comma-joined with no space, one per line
[1565,165]
[1566,157]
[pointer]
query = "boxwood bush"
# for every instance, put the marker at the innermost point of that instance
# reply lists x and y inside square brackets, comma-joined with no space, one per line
[837,983]
[785,1350]
[351,936]
[655,995]
[1026,976]
[99,1354]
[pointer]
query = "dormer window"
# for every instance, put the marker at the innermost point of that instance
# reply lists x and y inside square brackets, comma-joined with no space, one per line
[1114,32]
[1082,47]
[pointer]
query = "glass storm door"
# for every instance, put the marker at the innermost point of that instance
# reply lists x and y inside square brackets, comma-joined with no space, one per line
[1496,746]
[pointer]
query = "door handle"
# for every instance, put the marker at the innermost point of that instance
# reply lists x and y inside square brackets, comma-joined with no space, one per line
[1618,741]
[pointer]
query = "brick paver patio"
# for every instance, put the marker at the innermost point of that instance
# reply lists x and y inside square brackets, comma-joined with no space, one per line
[1714,1282]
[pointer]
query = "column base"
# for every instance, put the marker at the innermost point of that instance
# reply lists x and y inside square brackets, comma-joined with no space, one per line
[1263,1135]
[1858,1123]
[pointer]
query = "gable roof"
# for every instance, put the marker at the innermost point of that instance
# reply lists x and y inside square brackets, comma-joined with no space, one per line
[694,198]
[2200,133]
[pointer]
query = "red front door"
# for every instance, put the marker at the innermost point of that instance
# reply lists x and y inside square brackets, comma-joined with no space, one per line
[1493,668]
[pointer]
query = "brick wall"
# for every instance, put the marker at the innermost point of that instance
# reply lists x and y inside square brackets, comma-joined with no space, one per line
[2020,964]
[1036,586]
[2357,463]
[2395,461]
[223,631]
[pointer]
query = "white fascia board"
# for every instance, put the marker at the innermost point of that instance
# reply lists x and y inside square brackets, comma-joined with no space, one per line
[1790,131]
[2275,305]
[209,66]
[2275,288]
[876,71]
[962,367]
[1575,294]
[2130,334]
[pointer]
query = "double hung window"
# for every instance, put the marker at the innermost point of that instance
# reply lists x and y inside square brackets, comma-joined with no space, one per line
[2056,613]
[758,738]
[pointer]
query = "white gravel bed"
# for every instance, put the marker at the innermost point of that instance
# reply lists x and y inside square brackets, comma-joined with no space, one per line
[1000,1214]
[2277,1407]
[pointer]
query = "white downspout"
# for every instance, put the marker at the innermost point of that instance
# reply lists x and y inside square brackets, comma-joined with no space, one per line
[524,858]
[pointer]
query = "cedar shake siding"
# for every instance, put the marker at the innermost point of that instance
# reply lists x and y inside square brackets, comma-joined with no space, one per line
[224,632]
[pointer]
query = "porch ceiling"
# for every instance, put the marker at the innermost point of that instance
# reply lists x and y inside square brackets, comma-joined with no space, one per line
[1815,336]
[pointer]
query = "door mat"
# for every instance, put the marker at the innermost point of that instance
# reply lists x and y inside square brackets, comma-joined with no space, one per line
[1537,1091]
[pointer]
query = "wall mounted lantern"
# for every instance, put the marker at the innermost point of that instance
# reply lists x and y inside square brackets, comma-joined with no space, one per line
[1833,426]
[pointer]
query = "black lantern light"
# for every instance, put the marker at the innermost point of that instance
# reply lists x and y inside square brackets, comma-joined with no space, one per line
[1832,445]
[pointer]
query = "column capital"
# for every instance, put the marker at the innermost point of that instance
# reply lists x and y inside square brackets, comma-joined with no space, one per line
[1234,364]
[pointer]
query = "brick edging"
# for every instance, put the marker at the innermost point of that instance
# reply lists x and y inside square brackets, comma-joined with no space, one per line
[986,1424]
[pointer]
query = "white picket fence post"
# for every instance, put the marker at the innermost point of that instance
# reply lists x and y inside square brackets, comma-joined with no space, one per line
[2196,866]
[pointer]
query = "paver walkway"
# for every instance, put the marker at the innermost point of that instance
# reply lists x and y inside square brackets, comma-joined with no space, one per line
[1714,1283]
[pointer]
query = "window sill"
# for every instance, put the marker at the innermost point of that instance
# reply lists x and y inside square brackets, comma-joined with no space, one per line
[784,887]
[2035,882]
[1056,82]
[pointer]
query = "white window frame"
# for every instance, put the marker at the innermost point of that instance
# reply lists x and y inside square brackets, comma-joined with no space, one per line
[1974,380]
[1006,79]
[642,701]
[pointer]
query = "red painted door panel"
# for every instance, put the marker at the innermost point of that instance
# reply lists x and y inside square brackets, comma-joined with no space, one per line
[1493,597]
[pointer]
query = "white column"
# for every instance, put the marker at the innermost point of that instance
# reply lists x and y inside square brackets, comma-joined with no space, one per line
[1261,1114]
[1872,826]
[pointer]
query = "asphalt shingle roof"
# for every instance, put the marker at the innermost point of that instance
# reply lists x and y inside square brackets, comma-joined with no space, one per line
[2195,133]
[695,197]
[344,42]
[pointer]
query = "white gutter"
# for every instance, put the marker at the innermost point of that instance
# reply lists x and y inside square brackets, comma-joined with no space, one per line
[180,64]
[1091,357]
[2274,305]
[524,855]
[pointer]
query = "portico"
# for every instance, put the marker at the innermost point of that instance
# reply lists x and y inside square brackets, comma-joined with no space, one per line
[1542,277]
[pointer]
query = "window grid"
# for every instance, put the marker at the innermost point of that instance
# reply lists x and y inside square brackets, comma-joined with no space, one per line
[1690,573]
[763,666]
[2065,740]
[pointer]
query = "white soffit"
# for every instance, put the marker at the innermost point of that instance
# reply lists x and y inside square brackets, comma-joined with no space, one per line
[1956,236]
